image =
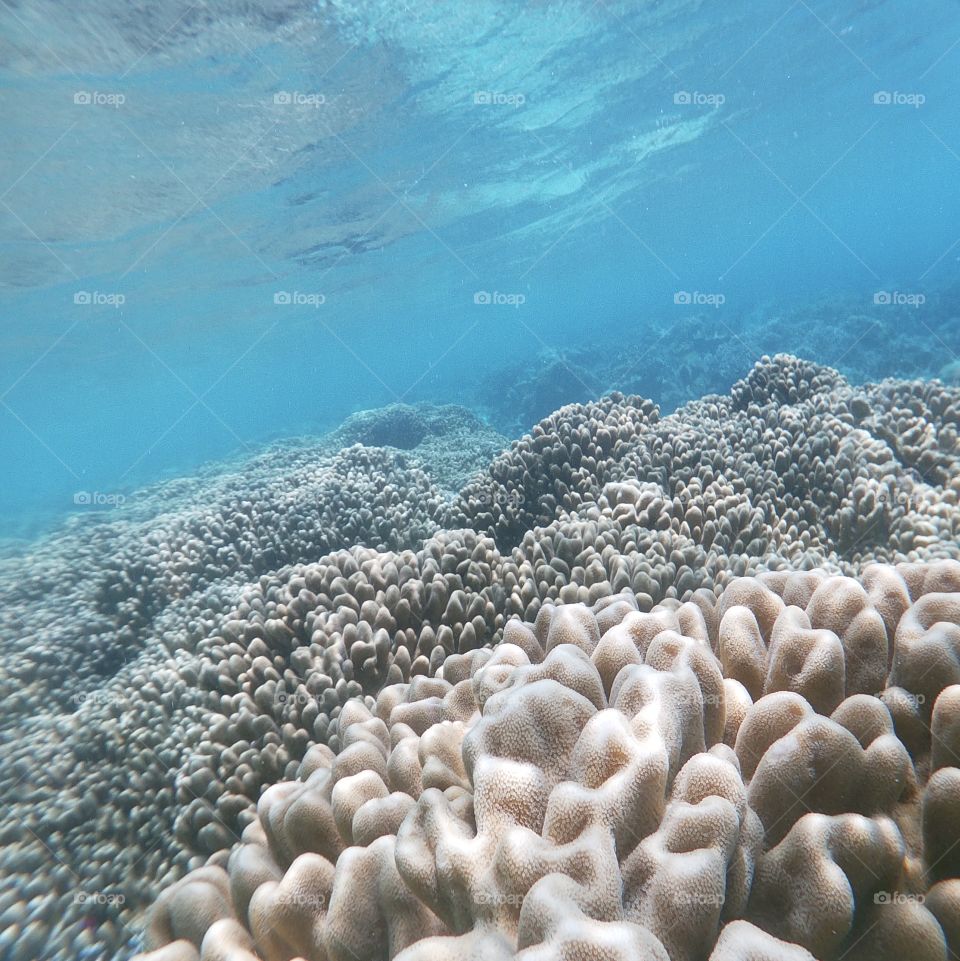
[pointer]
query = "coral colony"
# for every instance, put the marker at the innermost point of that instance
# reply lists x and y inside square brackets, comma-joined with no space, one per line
[645,689]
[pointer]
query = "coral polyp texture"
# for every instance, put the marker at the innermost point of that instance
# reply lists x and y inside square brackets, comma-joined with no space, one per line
[646,687]
[603,784]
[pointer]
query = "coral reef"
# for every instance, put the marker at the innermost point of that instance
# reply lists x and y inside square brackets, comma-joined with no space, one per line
[322,656]
[794,465]
[588,784]
[451,443]
[144,570]
[680,355]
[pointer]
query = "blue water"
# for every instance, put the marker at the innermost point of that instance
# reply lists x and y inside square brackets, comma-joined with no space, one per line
[224,224]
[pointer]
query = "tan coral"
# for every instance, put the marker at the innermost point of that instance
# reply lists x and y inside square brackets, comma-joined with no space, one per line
[742,941]
[616,795]
[280,626]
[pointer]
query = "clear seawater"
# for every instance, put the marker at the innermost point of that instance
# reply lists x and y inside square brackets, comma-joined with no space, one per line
[227,223]
[226,226]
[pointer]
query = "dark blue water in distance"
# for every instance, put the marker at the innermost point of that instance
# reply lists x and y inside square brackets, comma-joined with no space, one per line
[241,223]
